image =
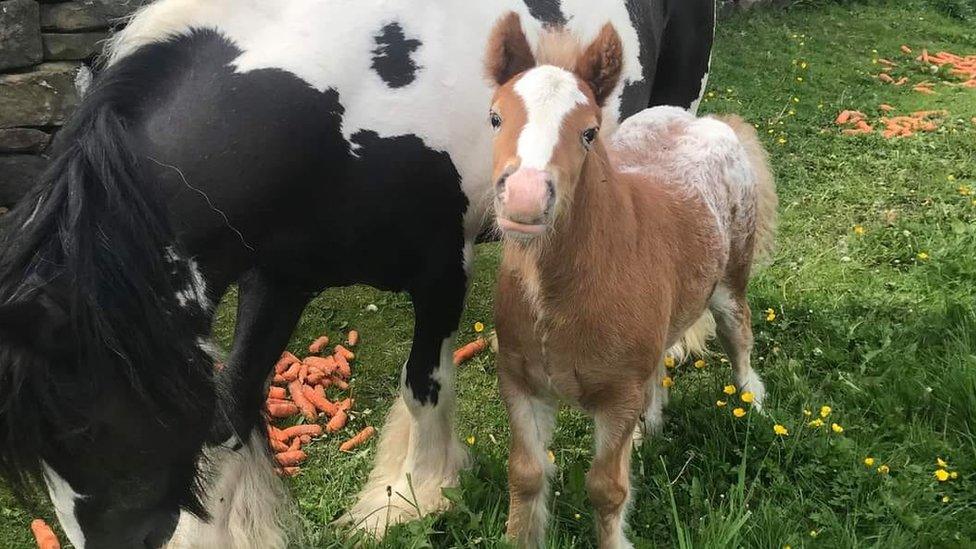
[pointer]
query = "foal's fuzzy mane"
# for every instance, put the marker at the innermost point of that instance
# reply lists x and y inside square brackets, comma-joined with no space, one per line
[558,46]
[91,238]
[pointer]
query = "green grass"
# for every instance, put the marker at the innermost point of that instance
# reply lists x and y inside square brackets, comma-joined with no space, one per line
[863,325]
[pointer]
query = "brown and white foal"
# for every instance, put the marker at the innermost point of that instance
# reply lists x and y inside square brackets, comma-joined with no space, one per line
[611,253]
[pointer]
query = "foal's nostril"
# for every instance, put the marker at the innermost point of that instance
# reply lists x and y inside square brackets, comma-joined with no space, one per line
[551,196]
[500,184]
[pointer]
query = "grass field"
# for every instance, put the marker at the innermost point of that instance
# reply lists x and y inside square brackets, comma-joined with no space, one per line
[872,296]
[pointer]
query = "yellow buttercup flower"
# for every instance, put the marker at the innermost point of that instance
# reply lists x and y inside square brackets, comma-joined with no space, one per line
[780,430]
[965,190]
[954,475]
[738,412]
[479,327]
[807,413]
[720,403]
[836,428]
[859,230]
[945,499]
[669,361]
[869,462]
[747,397]
[667,382]
[816,423]
[922,256]
[470,440]
[825,411]
[729,389]
[552,457]
[770,315]
[941,462]
[700,363]
[577,516]
[951,177]
[941,475]
[883,470]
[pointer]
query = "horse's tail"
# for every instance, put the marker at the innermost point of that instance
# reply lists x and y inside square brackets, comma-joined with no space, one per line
[764,240]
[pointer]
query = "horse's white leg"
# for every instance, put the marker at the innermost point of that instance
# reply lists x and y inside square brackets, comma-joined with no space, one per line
[248,504]
[657,399]
[734,326]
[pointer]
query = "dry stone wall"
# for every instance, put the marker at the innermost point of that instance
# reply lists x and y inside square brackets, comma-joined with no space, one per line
[46,47]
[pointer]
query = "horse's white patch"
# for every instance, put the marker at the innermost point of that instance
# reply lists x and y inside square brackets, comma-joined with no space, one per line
[246,500]
[535,419]
[64,498]
[195,290]
[444,106]
[549,94]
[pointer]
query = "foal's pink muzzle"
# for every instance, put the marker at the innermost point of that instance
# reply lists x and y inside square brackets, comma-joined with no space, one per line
[523,202]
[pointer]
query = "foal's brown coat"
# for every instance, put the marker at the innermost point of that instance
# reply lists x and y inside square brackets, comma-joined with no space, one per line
[631,259]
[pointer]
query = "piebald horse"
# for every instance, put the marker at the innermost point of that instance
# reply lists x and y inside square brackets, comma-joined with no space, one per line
[248,142]
[613,248]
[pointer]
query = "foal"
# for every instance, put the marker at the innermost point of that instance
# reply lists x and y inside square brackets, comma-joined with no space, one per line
[610,255]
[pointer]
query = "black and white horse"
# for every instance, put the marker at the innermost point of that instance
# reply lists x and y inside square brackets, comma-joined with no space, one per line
[223,141]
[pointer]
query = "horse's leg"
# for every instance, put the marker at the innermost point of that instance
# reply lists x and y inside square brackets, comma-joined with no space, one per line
[532,421]
[247,502]
[657,398]
[419,453]
[733,321]
[608,480]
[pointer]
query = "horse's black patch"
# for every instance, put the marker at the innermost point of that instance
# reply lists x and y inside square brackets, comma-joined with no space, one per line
[648,20]
[391,57]
[548,11]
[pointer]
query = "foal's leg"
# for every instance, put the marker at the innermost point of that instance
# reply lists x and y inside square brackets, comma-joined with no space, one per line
[652,421]
[419,453]
[734,327]
[532,420]
[608,481]
[242,493]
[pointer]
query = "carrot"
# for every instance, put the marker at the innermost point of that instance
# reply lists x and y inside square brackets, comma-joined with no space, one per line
[339,383]
[906,49]
[282,410]
[290,459]
[469,351]
[864,126]
[887,62]
[885,77]
[277,446]
[286,360]
[302,373]
[337,422]
[320,401]
[352,338]
[326,364]
[306,439]
[311,429]
[296,444]
[291,374]
[314,378]
[276,401]
[297,395]
[346,353]
[902,81]
[885,107]
[319,344]
[342,366]
[274,433]
[277,392]
[843,117]
[288,471]
[923,90]
[44,535]
[358,439]
[345,405]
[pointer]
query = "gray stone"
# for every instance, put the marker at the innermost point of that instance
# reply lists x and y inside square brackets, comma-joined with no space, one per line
[73,16]
[114,9]
[20,34]
[18,172]
[23,140]
[43,97]
[71,47]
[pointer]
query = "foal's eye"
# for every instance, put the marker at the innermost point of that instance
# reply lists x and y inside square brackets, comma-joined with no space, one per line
[589,136]
[496,121]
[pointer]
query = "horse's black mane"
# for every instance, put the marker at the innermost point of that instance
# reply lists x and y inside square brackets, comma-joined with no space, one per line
[90,241]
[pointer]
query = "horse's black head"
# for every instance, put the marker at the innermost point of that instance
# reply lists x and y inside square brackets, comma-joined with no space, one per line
[116,446]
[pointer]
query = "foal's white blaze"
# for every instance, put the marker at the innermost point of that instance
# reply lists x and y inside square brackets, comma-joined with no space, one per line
[64,497]
[549,94]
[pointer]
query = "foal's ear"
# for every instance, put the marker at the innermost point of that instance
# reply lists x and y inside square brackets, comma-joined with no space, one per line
[600,65]
[508,50]
[38,324]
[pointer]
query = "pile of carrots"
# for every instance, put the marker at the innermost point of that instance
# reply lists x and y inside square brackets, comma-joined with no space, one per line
[855,122]
[962,66]
[299,388]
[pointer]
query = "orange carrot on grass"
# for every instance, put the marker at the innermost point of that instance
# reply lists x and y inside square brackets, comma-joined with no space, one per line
[470,350]
[291,374]
[279,411]
[346,353]
[353,338]
[286,360]
[315,377]
[311,429]
[319,401]
[297,395]
[345,405]
[326,364]
[296,444]
[288,471]
[277,392]
[306,439]
[358,439]
[277,446]
[337,422]
[342,366]
[906,49]
[290,459]
[338,383]
[318,345]
[44,535]
[885,77]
